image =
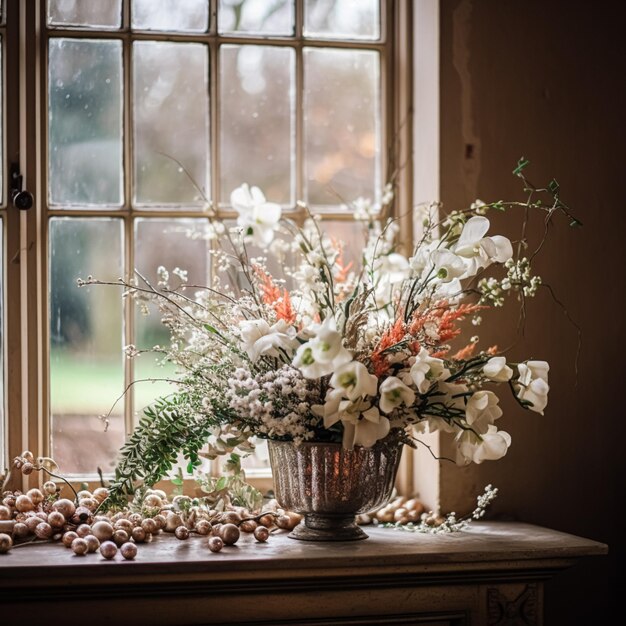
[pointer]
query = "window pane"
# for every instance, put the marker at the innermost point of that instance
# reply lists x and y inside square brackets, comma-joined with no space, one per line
[86,364]
[353,19]
[171,15]
[341,125]
[263,17]
[349,236]
[87,13]
[85,116]
[171,116]
[257,120]
[171,243]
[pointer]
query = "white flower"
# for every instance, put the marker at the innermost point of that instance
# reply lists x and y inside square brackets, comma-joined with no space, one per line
[445,265]
[308,278]
[330,409]
[393,393]
[490,446]
[354,380]
[497,370]
[258,337]
[482,410]
[427,369]
[322,354]
[257,217]
[533,384]
[363,209]
[479,251]
[391,269]
[363,425]
[419,262]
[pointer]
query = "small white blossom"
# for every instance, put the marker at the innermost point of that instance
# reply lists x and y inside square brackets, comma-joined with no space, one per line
[259,338]
[497,370]
[394,393]
[533,384]
[482,410]
[354,380]
[479,251]
[257,217]
[322,354]
[426,370]
[490,446]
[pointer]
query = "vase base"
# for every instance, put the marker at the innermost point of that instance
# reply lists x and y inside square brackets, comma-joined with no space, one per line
[318,528]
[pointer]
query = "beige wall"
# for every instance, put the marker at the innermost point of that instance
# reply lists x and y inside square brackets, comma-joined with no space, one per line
[547,80]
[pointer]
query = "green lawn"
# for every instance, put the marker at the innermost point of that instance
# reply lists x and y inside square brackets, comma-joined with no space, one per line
[90,387]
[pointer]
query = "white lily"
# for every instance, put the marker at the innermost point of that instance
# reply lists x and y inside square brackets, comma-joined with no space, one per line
[258,217]
[391,269]
[258,338]
[363,425]
[330,409]
[445,266]
[426,370]
[497,370]
[479,251]
[393,393]
[322,354]
[491,446]
[482,410]
[354,380]
[533,384]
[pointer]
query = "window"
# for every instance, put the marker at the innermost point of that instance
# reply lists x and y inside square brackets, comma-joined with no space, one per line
[3,213]
[134,105]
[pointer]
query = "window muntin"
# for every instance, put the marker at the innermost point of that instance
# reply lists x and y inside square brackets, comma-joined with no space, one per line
[143,198]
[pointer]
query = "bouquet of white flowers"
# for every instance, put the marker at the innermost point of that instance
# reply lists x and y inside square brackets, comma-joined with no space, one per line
[330,353]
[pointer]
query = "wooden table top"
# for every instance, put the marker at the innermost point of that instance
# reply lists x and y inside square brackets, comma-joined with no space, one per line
[500,544]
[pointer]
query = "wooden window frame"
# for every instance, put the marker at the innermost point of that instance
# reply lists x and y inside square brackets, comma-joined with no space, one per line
[27,232]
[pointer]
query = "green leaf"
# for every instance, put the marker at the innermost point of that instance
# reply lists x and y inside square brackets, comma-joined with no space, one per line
[521,165]
[177,481]
[554,187]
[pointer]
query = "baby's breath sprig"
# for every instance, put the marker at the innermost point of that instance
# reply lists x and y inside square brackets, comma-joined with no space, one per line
[449,524]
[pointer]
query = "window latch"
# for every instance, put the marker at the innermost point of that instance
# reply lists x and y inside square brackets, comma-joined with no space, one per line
[22,199]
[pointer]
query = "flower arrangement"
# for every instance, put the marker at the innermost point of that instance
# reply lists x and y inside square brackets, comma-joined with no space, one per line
[327,352]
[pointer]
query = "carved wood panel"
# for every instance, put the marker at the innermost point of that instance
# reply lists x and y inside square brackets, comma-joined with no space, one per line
[522,610]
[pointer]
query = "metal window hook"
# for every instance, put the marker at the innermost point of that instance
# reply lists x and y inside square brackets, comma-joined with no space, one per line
[21,198]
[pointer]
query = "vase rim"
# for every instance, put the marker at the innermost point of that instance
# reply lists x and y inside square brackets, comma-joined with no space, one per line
[333,444]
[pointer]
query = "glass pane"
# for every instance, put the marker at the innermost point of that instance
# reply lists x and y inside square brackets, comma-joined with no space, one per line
[353,19]
[85,116]
[257,120]
[86,362]
[170,15]
[86,13]
[349,236]
[171,115]
[341,125]
[171,243]
[263,17]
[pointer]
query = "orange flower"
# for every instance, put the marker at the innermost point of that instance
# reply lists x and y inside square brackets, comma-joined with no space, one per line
[280,302]
[391,337]
[465,353]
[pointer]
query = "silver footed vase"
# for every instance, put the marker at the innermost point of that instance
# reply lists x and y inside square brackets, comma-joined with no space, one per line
[329,485]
